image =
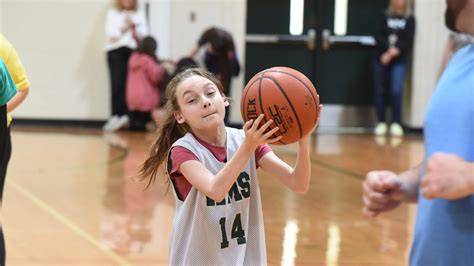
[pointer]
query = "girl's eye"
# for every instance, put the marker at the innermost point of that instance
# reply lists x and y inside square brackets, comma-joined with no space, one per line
[210,93]
[191,101]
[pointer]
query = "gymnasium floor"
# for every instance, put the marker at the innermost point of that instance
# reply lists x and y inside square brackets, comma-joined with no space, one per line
[70,200]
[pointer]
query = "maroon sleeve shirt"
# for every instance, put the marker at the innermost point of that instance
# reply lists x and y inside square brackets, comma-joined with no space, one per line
[180,155]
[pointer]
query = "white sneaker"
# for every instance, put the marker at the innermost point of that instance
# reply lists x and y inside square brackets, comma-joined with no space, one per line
[396,130]
[112,120]
[121,122]
[380,129]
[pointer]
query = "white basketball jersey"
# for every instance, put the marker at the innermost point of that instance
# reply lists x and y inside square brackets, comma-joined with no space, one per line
[230,232]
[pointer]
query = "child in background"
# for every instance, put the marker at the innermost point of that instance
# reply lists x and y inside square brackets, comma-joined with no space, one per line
[144,74]
[212,169]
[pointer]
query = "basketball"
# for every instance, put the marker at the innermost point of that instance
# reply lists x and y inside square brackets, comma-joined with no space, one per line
[284,95]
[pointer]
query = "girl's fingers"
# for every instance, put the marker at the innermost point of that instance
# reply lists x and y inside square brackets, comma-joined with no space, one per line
[265,126]
[320,109]
[273,139]
[248,124]
[271,132]
[257,122]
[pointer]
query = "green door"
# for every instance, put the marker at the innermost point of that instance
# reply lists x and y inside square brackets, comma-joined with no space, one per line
[339,64]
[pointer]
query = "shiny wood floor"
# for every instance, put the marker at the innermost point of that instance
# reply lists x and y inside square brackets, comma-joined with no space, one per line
[70,200]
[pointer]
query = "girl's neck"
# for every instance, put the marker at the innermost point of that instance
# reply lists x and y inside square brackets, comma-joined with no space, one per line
[217,137]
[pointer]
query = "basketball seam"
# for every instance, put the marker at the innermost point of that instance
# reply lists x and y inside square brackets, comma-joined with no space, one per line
[260,100]
[304,84]
[289,102]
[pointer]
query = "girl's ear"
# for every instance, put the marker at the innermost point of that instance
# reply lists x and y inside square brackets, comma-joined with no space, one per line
[179,117]
[226,101]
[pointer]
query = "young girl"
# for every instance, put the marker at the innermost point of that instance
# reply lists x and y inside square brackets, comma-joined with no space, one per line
[144,73]
[212,170]
[394,41]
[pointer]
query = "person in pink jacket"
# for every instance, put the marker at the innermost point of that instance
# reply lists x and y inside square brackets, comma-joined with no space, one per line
[144,74]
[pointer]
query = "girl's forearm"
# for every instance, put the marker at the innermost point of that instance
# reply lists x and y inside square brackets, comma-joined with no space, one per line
[301,175]
[225,178]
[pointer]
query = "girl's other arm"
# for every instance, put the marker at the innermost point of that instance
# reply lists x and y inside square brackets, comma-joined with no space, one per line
[299,177]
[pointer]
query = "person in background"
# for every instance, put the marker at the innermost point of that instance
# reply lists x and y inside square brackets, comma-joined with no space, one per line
[180,66]
[443,184]
[125,26]
[143,94]
[11,69]
[220,57]
[394,43]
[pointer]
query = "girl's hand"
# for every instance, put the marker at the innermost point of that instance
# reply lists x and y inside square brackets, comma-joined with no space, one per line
[307,136]
[255,135]
[385,58]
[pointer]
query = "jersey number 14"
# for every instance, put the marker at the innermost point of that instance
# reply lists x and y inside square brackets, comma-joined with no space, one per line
[236,232]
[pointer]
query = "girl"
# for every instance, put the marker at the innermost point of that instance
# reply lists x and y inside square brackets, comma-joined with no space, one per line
[144,73]
[212,169]
[394,42]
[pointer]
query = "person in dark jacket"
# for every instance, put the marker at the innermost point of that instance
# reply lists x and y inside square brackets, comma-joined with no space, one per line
[220,57]
[394,43]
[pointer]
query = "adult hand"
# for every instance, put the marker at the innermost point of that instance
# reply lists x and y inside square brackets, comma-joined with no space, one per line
[448,176]
[382,191]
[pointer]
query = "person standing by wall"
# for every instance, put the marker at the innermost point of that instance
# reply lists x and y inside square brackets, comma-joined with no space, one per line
[125,26]
[394,43]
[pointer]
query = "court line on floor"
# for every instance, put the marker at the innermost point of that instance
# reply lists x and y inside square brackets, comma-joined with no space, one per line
[76,229]
[338,169]
[334,168]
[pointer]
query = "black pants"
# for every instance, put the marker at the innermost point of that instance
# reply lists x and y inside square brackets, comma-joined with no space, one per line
[5,153]
[138,120]
[118,68]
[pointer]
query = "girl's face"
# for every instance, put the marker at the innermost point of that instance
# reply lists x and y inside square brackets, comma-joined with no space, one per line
[399,6]
[127,4]
[201,104]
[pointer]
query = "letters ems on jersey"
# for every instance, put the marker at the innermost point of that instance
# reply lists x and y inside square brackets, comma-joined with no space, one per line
[239,191]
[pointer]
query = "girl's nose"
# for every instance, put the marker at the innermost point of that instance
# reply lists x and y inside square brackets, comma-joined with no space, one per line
[206,103]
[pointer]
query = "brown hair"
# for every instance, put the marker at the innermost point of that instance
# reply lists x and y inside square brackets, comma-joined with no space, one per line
[169,130]
[119,6]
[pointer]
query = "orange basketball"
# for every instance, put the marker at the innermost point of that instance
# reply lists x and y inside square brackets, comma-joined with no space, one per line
[284,95]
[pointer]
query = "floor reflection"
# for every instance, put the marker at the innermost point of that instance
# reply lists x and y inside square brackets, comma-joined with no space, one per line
[87,179]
